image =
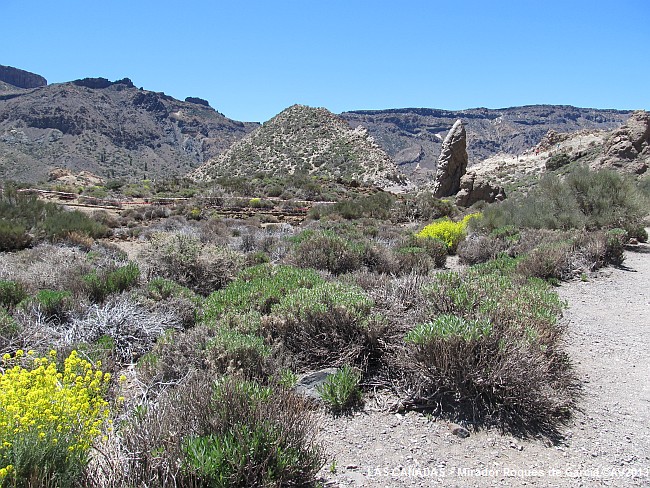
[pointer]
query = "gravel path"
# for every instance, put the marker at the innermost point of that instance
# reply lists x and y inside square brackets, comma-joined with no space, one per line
[606,444]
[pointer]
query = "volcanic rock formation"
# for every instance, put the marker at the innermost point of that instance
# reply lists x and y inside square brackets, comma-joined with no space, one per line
[452,162]
[21,78]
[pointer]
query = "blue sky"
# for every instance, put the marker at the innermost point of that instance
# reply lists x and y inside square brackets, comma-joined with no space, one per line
[252,59]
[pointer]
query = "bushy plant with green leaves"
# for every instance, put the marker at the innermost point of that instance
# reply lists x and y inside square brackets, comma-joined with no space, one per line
[447,231]
[11,293]
[329,252]
[258,288]
[489,349]
[100,284]
[341,390]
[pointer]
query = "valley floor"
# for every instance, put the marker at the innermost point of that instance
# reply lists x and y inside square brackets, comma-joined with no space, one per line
[606,444]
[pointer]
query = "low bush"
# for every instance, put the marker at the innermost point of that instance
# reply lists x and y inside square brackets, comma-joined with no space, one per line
[258,288]
[48,419]
[53,304]
[242,435]
[327,252]
[202,268]
[447,231]
[99,285]
[489,350]
[11,293]
[341,391]
[13,236]
[330,324]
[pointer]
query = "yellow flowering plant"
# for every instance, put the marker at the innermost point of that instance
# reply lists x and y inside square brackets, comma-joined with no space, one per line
[448,231]
[49,419]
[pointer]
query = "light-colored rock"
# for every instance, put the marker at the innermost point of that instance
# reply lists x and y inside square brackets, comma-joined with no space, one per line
[474,188]
[452,162]
[308,383]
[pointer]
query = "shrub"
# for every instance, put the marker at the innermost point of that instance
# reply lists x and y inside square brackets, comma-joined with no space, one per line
[489,350]
[202,268]
[49,420]
[451,233]
[261,438]
[584,199]
[53,304]
[330,324]
[615,244]
[341,391]
[243,434]
[258,288]
[327,252]
[414,260]
[99,285]
[11,293]
[13,236]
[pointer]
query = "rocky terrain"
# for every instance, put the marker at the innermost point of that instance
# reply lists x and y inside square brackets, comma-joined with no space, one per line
[306,140]
[111,129]
[20,78]
[413,136]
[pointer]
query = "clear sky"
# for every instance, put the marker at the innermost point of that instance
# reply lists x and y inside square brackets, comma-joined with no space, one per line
[252,59]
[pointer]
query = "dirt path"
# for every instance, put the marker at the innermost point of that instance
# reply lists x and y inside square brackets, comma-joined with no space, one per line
[606,444]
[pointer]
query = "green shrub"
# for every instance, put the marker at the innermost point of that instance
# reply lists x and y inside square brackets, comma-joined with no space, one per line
[99,285]
[258,288]
[260,438]
[58,225]
[330,324]
[341,391]
[13,236]
[11,293]
[53,304]
[489,350]
[583,199]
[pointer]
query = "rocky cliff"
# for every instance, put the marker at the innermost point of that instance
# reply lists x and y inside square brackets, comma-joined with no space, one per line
[111,129]
[413,136]
[306,140]
[21,78]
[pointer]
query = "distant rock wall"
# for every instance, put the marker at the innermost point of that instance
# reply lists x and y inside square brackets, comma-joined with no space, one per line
[21,78]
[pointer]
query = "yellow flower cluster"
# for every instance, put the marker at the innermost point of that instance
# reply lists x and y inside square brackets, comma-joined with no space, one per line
[448,231]
[38,401]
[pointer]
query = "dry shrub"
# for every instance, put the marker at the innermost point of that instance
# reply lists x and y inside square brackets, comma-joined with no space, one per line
[133,328]
[378,259]
[479,248]
[489,350]
[202,268]
[327,252]
[235,434]
[328,325]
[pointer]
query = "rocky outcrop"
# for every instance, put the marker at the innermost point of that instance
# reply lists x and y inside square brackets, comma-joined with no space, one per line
[100,83]
[452,162]
[21,78]
[628,147]
[474,188]
[198,101]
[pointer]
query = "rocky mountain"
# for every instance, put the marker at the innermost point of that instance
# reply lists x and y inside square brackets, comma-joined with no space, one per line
[413,136]
[306,140]
[111,129]
[20,78]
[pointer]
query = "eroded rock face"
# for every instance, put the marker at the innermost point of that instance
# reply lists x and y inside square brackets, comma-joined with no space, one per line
[21,78]
[629,146]
[474,188]
[452,162]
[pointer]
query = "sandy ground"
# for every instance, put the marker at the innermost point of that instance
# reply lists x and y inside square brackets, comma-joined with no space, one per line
[606,444]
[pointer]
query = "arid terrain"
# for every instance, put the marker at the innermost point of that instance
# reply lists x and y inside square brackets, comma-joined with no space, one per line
[607,443]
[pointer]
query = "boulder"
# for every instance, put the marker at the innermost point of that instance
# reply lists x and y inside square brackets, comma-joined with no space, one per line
[452,162]
[474,188]
[307,385]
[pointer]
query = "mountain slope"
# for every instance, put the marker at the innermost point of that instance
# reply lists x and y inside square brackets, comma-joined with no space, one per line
[111,129]
[305,140]
[413,136]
